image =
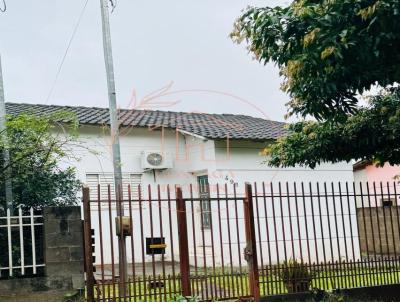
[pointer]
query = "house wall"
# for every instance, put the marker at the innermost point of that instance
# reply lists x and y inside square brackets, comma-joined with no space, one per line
[191,157]
[95,155]
[242,161]
[372,173]
[225,162]
[380,180]
[378,225]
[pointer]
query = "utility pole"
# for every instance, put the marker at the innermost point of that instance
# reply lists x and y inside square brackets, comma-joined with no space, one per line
[116,152]
[6,154]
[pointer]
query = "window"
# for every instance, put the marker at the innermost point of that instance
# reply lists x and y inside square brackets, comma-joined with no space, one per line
[205,206]
[106,179]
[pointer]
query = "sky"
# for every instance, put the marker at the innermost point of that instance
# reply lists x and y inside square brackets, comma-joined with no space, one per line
[177,51]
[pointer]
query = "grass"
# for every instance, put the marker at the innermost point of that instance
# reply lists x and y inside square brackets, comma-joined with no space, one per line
[235,284]
[337,277]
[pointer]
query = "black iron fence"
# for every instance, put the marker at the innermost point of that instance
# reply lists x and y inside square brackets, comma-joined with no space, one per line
[258,240]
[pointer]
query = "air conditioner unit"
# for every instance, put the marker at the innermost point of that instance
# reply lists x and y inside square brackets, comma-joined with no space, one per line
[155,160]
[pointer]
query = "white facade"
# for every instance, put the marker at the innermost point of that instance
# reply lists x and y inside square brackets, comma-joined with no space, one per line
[223,161]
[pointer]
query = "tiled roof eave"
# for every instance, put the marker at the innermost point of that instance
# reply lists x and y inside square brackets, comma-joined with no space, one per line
[210,126]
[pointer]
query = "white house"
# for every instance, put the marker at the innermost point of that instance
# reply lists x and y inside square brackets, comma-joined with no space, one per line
[223,147]
[179,148]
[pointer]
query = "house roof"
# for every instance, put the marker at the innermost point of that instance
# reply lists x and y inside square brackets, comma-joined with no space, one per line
[362,164]
[212,126]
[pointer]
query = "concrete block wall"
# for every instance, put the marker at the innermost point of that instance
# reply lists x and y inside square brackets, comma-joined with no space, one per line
[64,260]
[379,230]
[63,242]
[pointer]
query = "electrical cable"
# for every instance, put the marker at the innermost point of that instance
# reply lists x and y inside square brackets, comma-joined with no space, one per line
[66,51]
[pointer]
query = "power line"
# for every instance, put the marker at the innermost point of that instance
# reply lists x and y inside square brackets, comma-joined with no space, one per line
[66,50]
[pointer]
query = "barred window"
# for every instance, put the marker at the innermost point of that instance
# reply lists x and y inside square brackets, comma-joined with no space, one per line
[205,206]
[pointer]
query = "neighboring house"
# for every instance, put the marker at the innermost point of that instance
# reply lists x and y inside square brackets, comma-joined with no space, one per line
[381,207]
[190,148]
[366,171]
[378,180]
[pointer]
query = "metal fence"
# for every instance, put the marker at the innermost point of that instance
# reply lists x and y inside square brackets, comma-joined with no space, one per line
[327,236]
[21,241]
[259,240]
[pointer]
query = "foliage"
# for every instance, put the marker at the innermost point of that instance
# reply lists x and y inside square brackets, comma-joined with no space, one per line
[333,297]
[37,146]
[296,276]
[373,133]
[327,50]
[330,52]
[336,296]
[184,299]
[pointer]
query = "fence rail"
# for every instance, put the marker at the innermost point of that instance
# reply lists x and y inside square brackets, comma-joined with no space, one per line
[21,244]
[260,239]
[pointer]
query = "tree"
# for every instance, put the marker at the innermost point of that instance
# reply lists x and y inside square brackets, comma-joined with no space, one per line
[37,145]
[330,52]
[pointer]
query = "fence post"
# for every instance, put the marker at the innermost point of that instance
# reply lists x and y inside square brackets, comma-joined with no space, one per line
[183,243]
[250,251]
[87,233]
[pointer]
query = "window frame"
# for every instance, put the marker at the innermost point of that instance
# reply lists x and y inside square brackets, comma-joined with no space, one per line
[205,202]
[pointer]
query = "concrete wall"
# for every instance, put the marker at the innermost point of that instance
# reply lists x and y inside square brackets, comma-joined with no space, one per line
[64,265]
[379,230]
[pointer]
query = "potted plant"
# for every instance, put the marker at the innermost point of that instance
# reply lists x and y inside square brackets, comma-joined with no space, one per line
[295,275]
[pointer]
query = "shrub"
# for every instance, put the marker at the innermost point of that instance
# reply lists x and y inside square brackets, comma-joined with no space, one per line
[295,275]
[38,147]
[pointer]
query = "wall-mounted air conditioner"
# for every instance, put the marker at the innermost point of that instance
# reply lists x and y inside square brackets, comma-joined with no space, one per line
[155,160]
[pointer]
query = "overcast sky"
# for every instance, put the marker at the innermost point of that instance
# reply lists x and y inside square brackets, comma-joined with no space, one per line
[182,43]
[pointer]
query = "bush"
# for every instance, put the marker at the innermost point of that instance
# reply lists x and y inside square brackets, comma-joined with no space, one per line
[295,275]
[337,296]
[38,146]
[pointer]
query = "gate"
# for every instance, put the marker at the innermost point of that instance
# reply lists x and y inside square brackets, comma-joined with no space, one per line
[217,244]
[178,241]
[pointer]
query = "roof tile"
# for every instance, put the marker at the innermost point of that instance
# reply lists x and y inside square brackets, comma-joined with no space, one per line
[213,126]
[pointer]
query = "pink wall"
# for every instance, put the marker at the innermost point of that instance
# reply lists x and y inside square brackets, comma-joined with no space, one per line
[384,174]
[378,178]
